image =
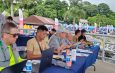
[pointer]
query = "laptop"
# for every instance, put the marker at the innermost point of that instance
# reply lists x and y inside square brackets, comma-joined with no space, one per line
[17,68]
[46,59]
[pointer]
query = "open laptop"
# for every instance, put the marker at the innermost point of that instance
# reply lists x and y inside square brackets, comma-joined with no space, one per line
[17,68]
[46,59]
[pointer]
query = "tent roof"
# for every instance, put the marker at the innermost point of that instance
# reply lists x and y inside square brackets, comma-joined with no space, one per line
[39,20]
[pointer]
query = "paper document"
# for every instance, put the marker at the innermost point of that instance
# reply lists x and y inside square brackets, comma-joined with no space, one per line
[82,54]
[84,51]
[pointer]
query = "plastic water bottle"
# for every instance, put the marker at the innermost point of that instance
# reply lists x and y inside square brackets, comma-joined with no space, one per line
[73,55]
[94,43]
[29,66]
[77,45]
[68,61]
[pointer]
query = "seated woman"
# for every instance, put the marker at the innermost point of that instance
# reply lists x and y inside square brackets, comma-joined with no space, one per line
[82,41]
[77,34]
[83,33]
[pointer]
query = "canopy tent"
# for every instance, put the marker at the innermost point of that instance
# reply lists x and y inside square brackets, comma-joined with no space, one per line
[38,20]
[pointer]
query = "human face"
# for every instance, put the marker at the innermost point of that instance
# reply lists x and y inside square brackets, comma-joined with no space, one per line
[41,34]
[84,34]
[63,35]
[78,34]
[12,35]
[70,37]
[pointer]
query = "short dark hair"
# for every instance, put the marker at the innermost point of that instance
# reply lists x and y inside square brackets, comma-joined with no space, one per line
[9,18]
[42,27]
[54,30]
[83,31]
[77,31]
[81,37]
[7,27]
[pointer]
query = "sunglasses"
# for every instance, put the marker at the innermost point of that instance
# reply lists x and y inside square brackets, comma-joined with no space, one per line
[14,35]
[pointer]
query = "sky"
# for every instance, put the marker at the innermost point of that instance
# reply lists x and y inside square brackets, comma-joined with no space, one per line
[111,3]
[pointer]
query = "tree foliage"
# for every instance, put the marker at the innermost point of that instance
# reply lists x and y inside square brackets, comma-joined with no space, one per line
[103,9]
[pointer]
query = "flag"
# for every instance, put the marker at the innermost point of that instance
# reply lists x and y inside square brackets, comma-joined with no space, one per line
[56,24]
[20,21]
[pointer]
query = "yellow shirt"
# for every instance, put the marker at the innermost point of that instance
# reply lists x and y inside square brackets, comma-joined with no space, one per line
[32,45]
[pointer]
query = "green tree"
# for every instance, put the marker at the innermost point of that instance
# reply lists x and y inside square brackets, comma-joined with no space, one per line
[75,13]
[91,10]
[75,2]
[86,3]
[101,20]
[1,6]
[103,9]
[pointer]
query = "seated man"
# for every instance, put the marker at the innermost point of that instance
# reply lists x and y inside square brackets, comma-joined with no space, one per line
[57,41]
[8,52]
[70,40]
[37,44]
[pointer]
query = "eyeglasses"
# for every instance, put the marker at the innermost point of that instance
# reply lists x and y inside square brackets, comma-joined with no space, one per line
[14,35]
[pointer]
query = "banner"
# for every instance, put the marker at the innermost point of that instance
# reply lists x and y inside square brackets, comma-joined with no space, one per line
[80,26]
[56,26]
[95,29]
[21,21]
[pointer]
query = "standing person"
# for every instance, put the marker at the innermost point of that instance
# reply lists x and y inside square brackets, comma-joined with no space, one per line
[37,44]
[8,52]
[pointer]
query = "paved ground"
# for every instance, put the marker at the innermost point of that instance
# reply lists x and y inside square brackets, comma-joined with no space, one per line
[102,67]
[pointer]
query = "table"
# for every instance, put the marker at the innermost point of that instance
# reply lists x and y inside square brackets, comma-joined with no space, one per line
[91,59]
[81,64]
[77,67]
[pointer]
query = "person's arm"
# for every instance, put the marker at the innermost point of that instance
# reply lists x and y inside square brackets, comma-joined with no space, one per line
[30,54]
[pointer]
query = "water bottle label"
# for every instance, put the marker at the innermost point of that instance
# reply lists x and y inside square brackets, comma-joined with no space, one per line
[67,58]
[28,68]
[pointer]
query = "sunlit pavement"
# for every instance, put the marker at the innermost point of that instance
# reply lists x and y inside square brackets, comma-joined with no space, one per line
[102,67]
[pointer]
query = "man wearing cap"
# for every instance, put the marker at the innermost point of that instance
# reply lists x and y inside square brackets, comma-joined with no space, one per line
[57,41]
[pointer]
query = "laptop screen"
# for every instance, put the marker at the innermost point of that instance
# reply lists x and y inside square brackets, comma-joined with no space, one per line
[46,59]
[17,68]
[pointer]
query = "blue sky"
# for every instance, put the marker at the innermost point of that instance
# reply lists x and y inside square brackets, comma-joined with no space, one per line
[111,3]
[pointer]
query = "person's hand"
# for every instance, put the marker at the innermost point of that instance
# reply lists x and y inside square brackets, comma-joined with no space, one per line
[67,46]
[81,46]
[73,45]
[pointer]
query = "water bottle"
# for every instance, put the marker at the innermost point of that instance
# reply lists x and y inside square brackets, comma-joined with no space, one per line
[68,61]
[29,66]
[94,43]
[73,55]
[77,45]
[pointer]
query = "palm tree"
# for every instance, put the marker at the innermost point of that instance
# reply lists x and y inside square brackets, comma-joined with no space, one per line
[76,13]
